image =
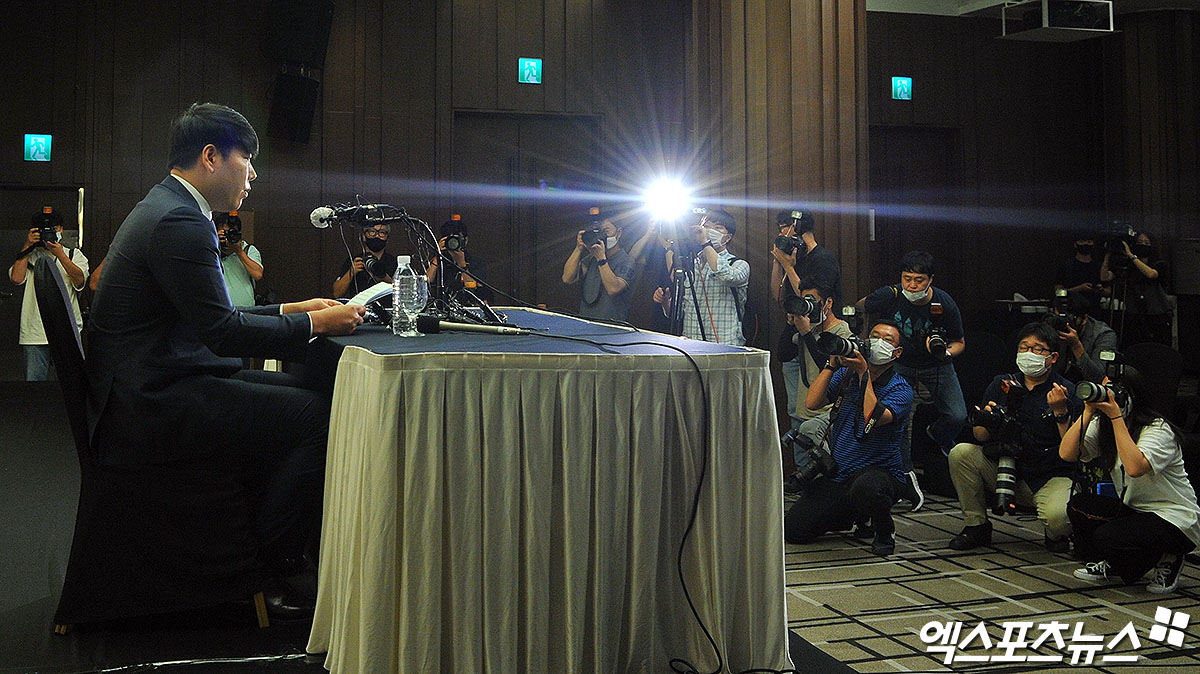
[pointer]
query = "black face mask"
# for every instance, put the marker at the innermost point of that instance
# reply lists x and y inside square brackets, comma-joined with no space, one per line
[1142,250]
[376,245]
[1084,249]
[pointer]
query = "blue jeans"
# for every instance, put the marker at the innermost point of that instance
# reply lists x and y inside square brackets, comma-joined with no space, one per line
[791,381]
[37,362]
[942,384]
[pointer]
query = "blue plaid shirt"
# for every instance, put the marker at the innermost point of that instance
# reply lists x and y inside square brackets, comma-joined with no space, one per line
[716,300]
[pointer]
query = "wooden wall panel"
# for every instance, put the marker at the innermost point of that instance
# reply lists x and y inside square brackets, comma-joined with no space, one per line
[1152,171]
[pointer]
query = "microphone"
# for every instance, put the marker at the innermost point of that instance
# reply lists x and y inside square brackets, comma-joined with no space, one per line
[323,216]
[431,325]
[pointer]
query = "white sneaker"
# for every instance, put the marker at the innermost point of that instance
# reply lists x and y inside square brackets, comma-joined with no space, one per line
[1166,574]
[1095,572]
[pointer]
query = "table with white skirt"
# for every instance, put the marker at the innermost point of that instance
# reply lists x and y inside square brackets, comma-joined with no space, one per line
[518,504]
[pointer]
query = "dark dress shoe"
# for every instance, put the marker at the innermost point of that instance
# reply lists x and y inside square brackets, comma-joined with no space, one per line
[287,604]
[972,537]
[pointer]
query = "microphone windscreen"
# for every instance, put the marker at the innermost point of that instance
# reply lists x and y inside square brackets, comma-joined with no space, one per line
[428,324]
[321,217]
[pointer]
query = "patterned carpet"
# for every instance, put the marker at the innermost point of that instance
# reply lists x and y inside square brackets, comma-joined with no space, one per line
[868,612]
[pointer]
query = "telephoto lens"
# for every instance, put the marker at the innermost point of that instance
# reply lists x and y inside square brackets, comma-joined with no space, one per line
[937,345]
[829,343]
[1091,392]
[1006,483]
[372,265]
[801,306]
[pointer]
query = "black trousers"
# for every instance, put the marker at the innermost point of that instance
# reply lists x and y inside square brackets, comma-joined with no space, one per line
[273,431]
[1132,541]
[825,505]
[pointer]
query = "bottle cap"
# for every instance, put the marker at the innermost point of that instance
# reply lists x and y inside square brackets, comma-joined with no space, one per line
[403,259]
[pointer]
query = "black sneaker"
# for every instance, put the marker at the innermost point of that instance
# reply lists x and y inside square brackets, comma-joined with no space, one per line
[972,537]
[912,491]
[863,531]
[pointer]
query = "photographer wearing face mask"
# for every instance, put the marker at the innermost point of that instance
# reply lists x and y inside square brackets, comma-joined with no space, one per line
[1081,272]
[809,361]
[603,270]
[240,260]
[72,265]
[870,404]
[1154,520]
[932,335]
[454,243]
[1147,307]
[354,276]
[1082,336]
[715,296]
[1037,406]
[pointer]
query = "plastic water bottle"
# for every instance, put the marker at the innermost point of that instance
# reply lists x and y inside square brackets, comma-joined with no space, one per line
[399,289]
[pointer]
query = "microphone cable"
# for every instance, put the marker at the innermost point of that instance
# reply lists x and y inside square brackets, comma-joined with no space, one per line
[680,665]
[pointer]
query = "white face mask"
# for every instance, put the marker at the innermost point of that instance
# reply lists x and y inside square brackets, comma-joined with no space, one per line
[915,297]
[716,237]
[611,242]
[879,352]
[1032,364]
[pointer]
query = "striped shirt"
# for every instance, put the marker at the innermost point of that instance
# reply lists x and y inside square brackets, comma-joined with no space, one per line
[854,451]
[717,308]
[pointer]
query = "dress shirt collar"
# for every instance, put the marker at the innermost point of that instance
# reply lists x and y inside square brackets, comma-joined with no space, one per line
[200,200]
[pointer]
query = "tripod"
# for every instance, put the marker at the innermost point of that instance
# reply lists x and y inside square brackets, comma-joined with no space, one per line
[683,274]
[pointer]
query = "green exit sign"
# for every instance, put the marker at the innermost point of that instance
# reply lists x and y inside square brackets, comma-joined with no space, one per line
[902,88]
[529,71]
[37,146]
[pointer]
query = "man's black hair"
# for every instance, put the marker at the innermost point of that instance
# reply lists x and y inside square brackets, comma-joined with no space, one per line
[1074,303]
[724,218]
[209,124]
[1041,331]
[454,227]
[917,262]
[887,321]
[825,291]
[806,223]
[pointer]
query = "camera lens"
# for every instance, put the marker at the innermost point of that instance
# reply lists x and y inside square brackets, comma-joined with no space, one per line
[1006,484]
[834,345]
[455,242]
[1091,392]
[800,306]
[591,237]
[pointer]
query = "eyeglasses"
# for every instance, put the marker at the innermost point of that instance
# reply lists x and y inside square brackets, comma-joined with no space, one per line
[376,234]
[1037,348]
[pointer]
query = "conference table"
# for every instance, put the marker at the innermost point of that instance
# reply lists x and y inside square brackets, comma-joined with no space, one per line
[520,503]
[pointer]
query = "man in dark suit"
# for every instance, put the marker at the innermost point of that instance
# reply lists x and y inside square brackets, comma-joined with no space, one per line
[165,343]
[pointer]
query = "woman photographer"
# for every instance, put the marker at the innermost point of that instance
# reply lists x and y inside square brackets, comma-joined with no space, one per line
[1154,520]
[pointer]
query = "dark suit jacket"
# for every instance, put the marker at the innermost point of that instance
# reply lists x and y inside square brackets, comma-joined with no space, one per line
[163,332]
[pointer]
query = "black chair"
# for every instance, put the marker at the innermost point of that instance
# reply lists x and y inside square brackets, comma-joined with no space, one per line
[149,539]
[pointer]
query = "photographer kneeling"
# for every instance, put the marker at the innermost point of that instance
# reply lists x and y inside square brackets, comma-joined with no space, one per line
[862,473]
[1154,521]
[1019,428]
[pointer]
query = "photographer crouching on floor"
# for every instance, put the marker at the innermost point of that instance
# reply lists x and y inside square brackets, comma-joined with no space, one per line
[1019,428]
[861,475]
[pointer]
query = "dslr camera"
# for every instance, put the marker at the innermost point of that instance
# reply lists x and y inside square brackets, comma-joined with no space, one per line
[46,222]
[937,342]
[456,242]
[1004,447]
[803,306]
[788,244]
[831,344]
[1095,392]
[233,235]
[820,461]
[1120,233]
